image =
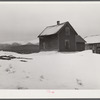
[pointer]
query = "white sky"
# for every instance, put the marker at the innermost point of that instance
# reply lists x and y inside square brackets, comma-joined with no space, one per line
[23,21]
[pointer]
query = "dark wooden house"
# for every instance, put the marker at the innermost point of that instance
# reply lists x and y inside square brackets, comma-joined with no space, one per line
[93,43]
[60,37]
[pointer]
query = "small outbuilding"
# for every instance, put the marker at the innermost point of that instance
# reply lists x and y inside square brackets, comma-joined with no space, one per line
[93,43]
[60,37]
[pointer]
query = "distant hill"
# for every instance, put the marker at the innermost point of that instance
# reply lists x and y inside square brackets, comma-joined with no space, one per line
[20,46]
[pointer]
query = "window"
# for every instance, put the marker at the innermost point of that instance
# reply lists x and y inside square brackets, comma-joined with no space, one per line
[67,30]
[67,45]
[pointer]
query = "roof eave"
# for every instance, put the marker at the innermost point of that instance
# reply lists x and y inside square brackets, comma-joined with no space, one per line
[40,35]
[47,35]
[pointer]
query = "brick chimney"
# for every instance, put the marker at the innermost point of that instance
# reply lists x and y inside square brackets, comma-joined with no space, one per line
[58,22]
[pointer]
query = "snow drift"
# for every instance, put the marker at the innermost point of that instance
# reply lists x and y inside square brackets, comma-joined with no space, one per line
[51,70]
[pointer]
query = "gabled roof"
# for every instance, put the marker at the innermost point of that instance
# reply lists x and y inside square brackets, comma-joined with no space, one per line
[92,39]
[54,29]
[51,29]
[78,38]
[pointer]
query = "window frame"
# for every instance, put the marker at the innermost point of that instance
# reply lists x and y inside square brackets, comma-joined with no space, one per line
[67,30]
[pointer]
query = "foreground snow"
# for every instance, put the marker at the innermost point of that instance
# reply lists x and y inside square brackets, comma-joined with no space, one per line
[51,70]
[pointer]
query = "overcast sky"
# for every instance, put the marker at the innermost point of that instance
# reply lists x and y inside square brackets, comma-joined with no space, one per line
[24,21]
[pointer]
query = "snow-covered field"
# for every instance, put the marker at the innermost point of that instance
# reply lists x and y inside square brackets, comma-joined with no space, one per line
[50,70]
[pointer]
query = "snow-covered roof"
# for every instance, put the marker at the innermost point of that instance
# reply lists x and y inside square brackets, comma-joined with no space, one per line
[93,39]
[78,38]
[51,29]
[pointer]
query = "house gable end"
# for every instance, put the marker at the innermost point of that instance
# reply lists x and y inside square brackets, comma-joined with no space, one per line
[71,28]
[67,24]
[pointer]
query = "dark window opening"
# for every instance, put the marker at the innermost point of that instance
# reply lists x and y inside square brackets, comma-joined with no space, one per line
[67,44]
[67,30]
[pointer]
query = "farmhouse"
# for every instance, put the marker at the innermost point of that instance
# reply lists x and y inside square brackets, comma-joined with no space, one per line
[93,43]
[60,37]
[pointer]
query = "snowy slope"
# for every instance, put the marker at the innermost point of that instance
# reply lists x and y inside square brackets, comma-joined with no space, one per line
[51,70]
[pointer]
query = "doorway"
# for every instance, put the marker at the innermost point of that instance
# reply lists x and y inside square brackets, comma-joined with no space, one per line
[44,45]
[67,45]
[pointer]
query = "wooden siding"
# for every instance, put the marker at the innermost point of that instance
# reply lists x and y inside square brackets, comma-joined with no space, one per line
[80,46]
[95,47]
[63,37]
[64,40]
[49,42]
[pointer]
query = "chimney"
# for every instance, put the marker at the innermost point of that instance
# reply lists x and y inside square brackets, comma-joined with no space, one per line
[58,22]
